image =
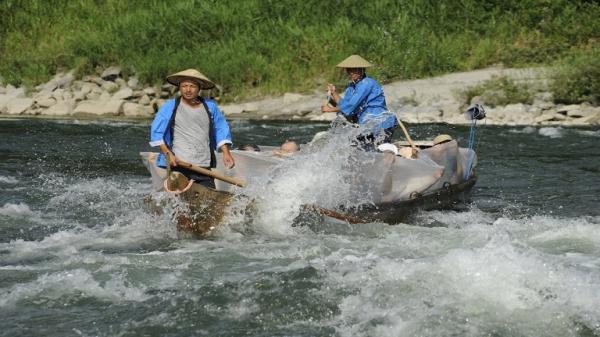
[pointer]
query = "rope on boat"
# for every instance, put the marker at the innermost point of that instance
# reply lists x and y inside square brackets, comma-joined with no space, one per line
[177,192]
[474,113]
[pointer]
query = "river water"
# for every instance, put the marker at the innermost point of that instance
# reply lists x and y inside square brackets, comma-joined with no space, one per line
[80,256]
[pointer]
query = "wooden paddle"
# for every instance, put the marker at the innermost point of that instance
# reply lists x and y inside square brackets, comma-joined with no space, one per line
[410,141]
[212,174]
[332,214]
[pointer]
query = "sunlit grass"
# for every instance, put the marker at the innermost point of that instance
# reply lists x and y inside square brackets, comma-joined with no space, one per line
[262,47]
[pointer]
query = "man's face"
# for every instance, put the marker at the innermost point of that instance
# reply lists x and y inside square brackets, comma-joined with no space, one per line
[355,74]
[189,89]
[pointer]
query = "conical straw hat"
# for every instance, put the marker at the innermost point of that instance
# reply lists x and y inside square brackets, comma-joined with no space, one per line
[354,61]
[441,139]
[191,74]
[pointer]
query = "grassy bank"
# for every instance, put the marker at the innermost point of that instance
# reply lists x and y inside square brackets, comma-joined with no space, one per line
[261,47]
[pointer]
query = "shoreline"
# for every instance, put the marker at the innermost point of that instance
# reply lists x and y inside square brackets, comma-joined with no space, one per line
[430,100]
[274,119]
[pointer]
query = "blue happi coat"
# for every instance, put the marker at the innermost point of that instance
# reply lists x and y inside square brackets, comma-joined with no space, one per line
[161,131]
[364,101]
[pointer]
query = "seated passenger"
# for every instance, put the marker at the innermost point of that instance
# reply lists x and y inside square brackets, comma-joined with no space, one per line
[445,153]
[388,147]
[249,147]
[288,148]
[441,139]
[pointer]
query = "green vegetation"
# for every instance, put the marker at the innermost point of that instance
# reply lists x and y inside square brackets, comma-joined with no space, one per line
[261,47]
[576,78]
[500,90]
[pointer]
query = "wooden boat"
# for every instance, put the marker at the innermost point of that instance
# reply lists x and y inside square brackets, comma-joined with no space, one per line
[407,185]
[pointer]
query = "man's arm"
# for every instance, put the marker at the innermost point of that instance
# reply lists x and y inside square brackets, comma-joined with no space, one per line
[171,158]
[227,157]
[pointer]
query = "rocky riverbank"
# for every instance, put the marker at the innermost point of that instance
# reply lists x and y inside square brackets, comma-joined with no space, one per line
[432,100]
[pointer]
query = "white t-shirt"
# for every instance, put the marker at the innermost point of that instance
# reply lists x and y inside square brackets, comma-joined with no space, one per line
[191,135]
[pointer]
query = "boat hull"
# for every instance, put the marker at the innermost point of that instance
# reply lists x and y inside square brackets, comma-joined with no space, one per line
[447,197]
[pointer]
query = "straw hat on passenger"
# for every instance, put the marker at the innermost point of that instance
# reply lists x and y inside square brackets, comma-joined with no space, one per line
[406,152]
[441,139]
[191,74]
[354,61]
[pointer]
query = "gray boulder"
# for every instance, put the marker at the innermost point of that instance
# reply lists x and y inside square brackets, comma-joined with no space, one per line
[45,102]
[110,86]
[133,83]
[61,108]
[17,106]
[4,99]
[144,100]
[111,73]
[135,110]
[99,108]
[123,93]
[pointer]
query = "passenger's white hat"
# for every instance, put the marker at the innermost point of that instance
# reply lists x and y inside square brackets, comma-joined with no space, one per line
[388,147]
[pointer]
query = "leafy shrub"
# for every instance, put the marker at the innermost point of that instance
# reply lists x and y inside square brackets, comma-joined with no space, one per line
[499,90]
[261,47]
[576,78]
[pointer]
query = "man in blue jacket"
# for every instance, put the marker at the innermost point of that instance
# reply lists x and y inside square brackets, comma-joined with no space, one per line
[363,103]
[190,128]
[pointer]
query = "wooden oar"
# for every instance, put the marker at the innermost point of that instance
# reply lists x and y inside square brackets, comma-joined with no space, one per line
[410,141]
[212,174]
[333,214]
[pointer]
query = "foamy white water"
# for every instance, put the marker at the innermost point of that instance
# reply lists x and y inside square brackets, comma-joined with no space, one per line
[552,132]
[80,255]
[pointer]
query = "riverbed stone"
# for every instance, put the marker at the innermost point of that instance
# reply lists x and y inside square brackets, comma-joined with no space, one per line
[61,108]
[65,80]
[111,73]
[150,91]
[88,87]
[323,117]
[144,100]
[232,109]
[544,117]
[48,86]
[516,114]
[99,108]
[566,108]
[93,79]
[110,86]
[104,96]
[251,107]
[419,114]
[57,93]
[78,96]
[17,106]
[15,92]
[133,83]
[135,110]
[33,111]
[121,82]
[4,99]
[136,94]
[289,98]
[593,118]
[46,102]
[92,96]
[123,93]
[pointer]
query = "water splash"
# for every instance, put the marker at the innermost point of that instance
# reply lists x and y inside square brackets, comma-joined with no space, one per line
[8,180]
[322,173]
[77,283]
[19,210]
[551,132]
